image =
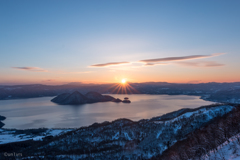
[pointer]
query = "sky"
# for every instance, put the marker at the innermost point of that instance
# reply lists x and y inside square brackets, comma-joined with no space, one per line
[105,41]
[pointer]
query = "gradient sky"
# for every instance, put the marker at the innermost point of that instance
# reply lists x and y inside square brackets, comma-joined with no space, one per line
[99,41]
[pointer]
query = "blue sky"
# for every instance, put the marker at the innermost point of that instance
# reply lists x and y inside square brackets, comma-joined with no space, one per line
[59,41]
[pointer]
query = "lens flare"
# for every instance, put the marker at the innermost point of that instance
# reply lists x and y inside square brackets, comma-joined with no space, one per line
[123,81]
[124,87]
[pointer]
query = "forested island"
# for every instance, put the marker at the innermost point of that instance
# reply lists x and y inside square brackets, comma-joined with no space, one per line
[77,98]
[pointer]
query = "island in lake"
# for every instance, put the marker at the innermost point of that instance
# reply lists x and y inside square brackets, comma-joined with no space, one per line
[76,98]
[126,100]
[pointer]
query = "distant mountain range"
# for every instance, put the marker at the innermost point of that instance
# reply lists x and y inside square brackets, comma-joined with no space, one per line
[218,92]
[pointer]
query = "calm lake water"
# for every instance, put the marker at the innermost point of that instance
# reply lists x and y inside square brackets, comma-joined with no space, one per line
[41,112]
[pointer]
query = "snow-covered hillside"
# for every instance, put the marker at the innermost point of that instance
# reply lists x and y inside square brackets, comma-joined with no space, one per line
[218,139]
[9,136]
[229,150]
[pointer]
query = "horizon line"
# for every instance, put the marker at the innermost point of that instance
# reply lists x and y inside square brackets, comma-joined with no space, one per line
[91,83]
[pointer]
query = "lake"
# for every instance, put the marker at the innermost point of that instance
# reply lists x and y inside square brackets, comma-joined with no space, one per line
[41,112]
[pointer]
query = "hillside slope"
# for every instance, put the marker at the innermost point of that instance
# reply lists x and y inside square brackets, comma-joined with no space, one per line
[210,141]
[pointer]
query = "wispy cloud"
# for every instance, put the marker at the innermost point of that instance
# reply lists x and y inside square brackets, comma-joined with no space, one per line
[153,64]
[72,72]
[109,64]
[33,69]
[201,64]
[183,58]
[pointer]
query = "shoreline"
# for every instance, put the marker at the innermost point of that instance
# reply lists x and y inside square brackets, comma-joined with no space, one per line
[205,97]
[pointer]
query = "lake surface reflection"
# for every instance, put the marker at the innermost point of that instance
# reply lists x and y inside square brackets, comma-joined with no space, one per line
[41,112]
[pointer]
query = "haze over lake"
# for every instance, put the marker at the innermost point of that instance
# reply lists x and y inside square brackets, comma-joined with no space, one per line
[41,112]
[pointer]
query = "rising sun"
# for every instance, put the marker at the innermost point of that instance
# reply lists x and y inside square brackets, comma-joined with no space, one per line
[123,81]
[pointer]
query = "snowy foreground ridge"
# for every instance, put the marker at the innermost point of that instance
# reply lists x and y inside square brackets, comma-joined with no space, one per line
[8,136]
[230,150]
[126,139]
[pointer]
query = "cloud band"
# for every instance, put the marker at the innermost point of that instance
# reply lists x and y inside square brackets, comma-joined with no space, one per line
[109,64]
[33,69]
[170,59]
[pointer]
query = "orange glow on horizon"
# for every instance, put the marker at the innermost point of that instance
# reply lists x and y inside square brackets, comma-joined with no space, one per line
[110,78]
[123,88]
